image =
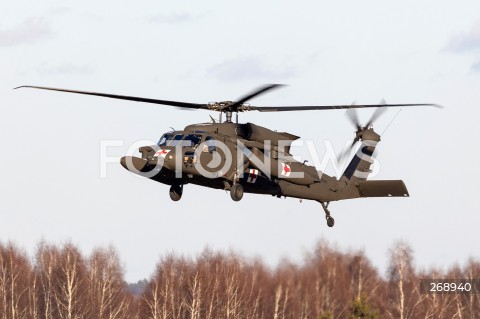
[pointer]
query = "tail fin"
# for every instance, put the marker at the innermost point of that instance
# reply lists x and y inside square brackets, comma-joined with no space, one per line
[359,166]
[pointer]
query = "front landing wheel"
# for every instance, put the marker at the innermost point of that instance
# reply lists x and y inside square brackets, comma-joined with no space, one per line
[236,192]
[176,192]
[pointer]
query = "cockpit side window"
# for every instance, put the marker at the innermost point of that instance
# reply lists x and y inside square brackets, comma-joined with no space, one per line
[177,140]
[164,139]
[192,140]
[210,143]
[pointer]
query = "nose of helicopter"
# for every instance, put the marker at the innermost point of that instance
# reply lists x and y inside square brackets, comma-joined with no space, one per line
[133,164]
[169,159]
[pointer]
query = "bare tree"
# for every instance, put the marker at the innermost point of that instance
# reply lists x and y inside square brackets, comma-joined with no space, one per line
[234,287]
[192,300]
[61,272]
[45,266]
[471,272]
[70,279]
[34,295]
[162,298]
[329,283]
[436,305]
[106,287]
[404,285]
[15,270]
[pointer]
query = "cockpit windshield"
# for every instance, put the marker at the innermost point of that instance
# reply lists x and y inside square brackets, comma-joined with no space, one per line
[172,139]
[164,139]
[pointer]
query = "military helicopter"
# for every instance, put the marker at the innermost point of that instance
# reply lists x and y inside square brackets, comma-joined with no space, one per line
[248,158]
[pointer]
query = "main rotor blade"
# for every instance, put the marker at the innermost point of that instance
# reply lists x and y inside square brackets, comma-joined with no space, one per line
[332,107]
[124,97]
[259,91]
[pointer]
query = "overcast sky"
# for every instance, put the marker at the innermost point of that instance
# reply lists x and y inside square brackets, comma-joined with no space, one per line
[333,52]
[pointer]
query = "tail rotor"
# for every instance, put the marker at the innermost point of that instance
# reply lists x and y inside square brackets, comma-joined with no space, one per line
[363,132]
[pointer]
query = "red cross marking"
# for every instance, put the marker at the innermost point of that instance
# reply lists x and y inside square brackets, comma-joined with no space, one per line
[286,169]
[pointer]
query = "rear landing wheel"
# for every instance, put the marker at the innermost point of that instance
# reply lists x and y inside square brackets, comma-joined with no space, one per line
[176,192]
[330,221]
[236,192]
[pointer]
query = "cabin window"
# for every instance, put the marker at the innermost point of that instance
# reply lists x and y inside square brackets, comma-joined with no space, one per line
[189,159]
[192,140]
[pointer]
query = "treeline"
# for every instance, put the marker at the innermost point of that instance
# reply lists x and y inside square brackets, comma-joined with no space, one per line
[60,282]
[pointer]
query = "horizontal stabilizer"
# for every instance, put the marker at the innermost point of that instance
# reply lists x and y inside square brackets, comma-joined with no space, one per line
[389,188]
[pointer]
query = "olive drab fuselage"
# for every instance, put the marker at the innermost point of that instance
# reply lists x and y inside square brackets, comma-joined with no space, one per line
[220,155]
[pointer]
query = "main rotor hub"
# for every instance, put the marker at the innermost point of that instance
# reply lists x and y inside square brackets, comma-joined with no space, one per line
[220,106]
[229,106]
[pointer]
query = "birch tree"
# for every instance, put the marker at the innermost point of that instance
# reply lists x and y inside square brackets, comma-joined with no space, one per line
[106,286]
[404,286]
[15,271]
[69,293]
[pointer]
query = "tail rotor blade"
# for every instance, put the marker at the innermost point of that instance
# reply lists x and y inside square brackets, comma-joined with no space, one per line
[353,117]
[378,112]
[346,151]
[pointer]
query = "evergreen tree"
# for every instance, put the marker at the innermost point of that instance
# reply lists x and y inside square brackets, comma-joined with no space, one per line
[360,308]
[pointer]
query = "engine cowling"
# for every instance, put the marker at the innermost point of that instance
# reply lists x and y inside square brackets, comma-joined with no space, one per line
[261,134]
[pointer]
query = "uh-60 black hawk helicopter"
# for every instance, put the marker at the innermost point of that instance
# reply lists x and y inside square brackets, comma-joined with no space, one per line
[254,159]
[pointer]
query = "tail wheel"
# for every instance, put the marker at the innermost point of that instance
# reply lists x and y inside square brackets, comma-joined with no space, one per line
[176,192]
[330,221]
[236,192]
